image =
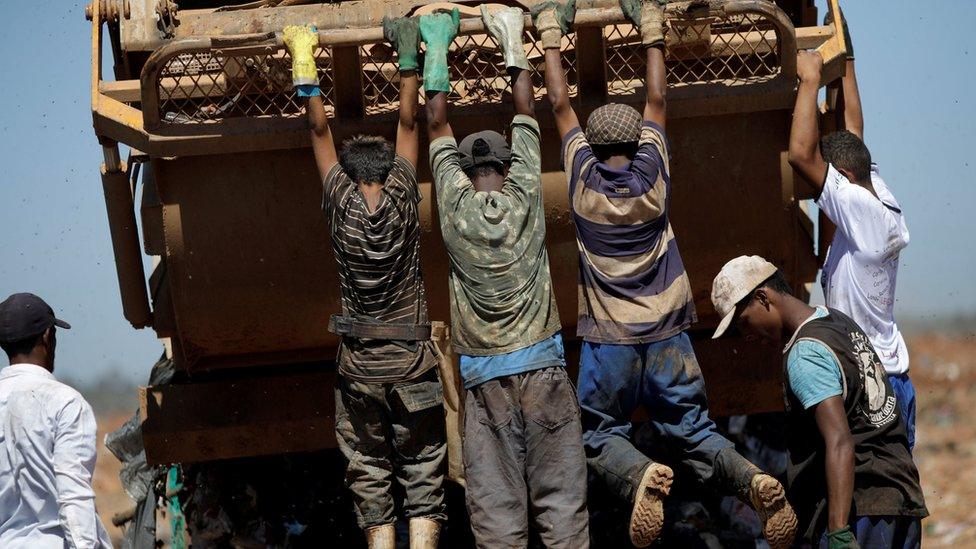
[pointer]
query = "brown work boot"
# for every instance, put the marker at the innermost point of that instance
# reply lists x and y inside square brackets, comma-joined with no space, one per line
[424,533]
[768,498]
[647,517]
[381,537]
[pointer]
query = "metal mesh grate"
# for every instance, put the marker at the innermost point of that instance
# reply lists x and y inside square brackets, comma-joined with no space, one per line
[736,49]
[477,72]
[202,87]
[206,86]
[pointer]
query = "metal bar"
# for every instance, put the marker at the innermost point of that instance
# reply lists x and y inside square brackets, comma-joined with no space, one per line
[120,207]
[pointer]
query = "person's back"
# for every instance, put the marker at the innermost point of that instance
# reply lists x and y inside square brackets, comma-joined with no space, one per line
[388,419]
[47,439]
[378,255]
[634,283]
[636,300]
[523,457]
[861,269]
[501,288]
[37,417]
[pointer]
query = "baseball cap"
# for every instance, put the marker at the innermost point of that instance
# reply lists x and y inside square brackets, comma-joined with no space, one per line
[737,279]
[25,315]
[484,147]
[614,123]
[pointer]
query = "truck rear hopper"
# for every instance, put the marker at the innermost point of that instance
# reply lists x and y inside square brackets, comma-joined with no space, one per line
[244,280]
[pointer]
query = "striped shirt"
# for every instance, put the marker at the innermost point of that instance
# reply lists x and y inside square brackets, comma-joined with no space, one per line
[632,285]
[378,254]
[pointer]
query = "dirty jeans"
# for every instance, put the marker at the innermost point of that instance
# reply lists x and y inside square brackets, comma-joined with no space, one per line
[665,378]
[523,457]
[389,430]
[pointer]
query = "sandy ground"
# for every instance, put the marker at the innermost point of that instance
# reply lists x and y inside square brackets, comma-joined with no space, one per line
[944,373]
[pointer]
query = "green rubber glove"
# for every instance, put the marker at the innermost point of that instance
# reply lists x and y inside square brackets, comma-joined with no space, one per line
[438,31]
[829,20]
[842,539]
[507,27]
[404,34]
[552,21]
[648,16]
[301,41]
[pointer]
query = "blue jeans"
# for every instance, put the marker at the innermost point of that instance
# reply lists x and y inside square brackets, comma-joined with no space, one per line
[905,393]
[885,532]
[665,378]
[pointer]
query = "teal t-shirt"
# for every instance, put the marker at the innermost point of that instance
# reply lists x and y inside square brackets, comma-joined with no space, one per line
[549,352]
[812,369]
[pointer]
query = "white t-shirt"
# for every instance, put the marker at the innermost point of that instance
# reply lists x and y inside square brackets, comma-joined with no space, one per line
[862,263]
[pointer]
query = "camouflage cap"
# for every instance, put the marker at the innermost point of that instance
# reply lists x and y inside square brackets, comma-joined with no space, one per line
[613,123]
[484,147]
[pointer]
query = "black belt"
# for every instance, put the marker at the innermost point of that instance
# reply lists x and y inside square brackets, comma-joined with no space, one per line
[351,327]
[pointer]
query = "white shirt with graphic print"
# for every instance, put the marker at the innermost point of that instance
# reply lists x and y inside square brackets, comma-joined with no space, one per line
[862,264]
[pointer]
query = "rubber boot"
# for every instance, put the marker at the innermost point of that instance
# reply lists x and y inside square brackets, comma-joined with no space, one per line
[424,533]
[647,518]
[381,537]
[768,497]
[760,491]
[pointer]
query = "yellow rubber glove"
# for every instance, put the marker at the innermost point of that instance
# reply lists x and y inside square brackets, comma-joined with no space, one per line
[301,41]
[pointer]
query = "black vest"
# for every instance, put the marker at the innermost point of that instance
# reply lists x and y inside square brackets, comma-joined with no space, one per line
[885,477]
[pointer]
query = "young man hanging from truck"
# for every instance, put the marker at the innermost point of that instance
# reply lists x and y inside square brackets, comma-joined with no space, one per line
[850,471]
[635,298]
[389,416]
[523,454]
[859,274]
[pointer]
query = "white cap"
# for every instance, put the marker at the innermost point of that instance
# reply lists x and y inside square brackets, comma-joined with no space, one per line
[737,279]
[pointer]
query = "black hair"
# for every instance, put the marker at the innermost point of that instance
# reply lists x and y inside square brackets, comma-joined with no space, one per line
[777,283]
[366,158]
[21,347]
[603,152]
[484,170]
[845,150]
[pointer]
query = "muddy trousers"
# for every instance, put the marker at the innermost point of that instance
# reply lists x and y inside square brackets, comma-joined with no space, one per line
[665,378]
[393,431]
[523,459]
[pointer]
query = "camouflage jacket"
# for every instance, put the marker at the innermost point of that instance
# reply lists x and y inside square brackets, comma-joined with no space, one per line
[501,290]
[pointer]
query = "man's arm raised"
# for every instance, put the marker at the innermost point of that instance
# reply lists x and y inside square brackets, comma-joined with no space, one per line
[438,31]
[804,153]
[408,136]
[323,144]
[849,102]
[552,21]
[301,41]
[648,16]
[655,107]
[404,35]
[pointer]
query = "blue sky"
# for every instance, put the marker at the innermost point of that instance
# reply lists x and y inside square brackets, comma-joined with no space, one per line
[914,66]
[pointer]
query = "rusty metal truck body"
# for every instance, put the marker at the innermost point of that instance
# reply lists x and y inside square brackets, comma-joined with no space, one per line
[229,200]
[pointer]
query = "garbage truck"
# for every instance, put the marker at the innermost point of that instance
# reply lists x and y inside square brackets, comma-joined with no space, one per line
[214,202]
